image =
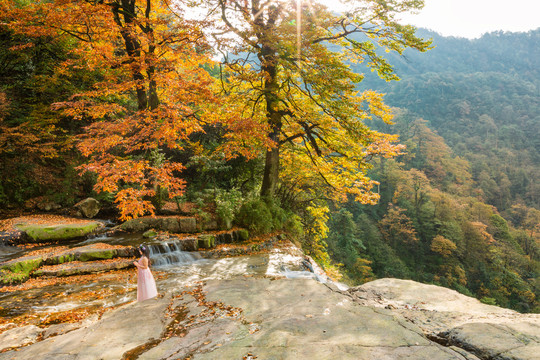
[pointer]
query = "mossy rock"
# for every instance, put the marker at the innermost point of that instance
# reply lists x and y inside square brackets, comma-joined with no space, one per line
[64,258]
[95,255]
[17,271]
[10,278]
[206,241]
[140,224]
[149,234]
[23,265]
[242,235]
[45,233]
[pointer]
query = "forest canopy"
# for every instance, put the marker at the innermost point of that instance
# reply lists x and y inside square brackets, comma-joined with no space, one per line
[285,116]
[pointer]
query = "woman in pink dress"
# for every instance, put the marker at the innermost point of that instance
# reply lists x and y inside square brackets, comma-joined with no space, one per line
[146,285]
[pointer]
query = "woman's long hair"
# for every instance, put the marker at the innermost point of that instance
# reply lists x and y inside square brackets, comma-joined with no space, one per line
[145,250]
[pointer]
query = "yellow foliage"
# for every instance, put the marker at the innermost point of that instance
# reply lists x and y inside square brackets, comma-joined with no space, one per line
[442,246]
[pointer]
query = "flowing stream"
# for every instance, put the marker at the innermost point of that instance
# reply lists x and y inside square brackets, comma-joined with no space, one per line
[173,269]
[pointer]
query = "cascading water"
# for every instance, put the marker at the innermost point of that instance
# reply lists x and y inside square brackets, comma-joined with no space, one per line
[170,253]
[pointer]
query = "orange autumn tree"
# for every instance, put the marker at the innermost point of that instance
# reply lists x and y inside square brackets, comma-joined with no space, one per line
[153,92]
[287,62]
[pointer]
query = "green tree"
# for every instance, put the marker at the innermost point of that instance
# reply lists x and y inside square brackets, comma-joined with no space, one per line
[295,78]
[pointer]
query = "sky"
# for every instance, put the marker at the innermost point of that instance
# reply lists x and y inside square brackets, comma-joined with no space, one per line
[472,18]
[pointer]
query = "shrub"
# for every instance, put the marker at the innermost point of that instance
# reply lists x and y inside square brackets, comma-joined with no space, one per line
[488,301]
[293,225]
[227,206]
[255,216]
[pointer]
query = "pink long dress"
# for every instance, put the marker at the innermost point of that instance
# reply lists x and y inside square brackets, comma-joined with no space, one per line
[146,285]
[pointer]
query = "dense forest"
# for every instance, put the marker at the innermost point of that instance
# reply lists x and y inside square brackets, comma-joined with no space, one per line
[124,101]
[461,207]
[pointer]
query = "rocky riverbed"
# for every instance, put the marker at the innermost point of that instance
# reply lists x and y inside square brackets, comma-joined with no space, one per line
[261,299]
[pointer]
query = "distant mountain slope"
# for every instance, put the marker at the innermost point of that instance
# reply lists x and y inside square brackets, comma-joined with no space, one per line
[482,96]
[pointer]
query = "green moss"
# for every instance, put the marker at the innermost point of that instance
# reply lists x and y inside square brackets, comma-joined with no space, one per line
[243,234]
[24,266]
[8,278]
[96,255]
[149,234]
[65,258]
[17,272]
[206,241]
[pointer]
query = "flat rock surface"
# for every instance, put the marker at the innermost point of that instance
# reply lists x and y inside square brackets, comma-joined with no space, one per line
[490,332]
[106,339]
[267,318]
[235,319]
[86,267]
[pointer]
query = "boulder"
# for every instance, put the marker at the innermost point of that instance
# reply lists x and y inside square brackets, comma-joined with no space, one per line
[18,270]
[210,224]
[47,233]
[140,224]
[241,235]
[89,207]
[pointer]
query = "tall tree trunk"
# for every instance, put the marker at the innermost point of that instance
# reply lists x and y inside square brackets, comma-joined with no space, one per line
[125,9]
[271,166]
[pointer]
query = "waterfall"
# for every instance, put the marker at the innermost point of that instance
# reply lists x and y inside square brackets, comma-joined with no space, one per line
[170,253]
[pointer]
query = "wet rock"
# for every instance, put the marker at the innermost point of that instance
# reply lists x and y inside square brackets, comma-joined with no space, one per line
[78,268]
[89,207]
[47,233]
[86,253]
[21,269]
[127,251]
[189,244]
[233,236]
[18,270]
[13,237]
[206,241]
[149,234]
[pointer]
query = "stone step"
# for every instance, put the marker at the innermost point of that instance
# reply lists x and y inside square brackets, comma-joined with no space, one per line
[172,224]
[20,269]
[79,268]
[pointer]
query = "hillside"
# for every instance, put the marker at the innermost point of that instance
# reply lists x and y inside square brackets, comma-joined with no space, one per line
[460,208]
